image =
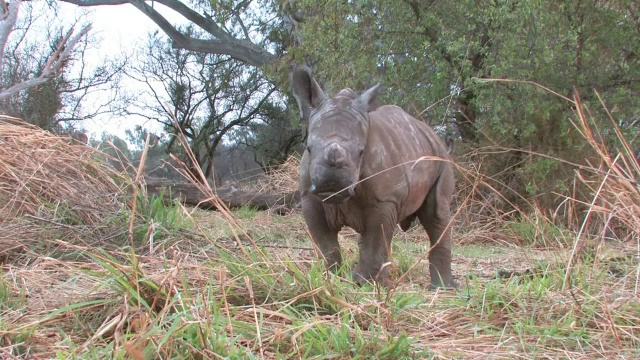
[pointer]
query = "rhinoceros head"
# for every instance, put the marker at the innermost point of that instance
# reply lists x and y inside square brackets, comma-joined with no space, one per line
[338,131]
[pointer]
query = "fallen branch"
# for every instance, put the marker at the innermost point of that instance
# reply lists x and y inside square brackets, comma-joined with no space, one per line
[189,194]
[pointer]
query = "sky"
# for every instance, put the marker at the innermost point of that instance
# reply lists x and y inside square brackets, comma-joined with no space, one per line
[120,28]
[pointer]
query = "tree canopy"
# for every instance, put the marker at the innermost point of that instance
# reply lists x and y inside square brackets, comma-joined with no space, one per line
[439,60]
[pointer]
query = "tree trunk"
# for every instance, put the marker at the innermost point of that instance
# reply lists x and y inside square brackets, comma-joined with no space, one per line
[466,117]
[189,194]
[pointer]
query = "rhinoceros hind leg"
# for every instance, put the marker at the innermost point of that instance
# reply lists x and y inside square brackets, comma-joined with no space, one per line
[434,215]
[325,238]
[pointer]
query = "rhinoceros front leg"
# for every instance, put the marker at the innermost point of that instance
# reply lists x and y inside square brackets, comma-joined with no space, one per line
[374,244]
[325,238]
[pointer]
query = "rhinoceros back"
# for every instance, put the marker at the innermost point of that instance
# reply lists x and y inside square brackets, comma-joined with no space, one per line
[404,154]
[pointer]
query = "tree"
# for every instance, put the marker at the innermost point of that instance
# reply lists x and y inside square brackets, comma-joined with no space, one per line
[428,50]
[253,37]
[431,50]
[54,62]
[436,56]
[202,96]
[234,28]
[37,57]
[273,138]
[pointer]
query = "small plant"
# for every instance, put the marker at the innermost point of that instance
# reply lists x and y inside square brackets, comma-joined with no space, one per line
[286,278]
[5,293]
[538,173]
[246,212]
[404,256]
[10,300]
[61,211]
[345,339]
[165,213]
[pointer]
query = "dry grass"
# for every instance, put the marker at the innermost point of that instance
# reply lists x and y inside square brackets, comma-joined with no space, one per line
[281,180]
[46,182]
[615,181]
[41,172]
[284,178]
[614,209]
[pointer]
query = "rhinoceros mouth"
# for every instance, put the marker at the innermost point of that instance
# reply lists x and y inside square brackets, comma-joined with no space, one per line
[336,196]
[333,198]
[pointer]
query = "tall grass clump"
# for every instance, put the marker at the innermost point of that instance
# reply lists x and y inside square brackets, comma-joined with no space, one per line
[43,175]
[52,188]
[613,209]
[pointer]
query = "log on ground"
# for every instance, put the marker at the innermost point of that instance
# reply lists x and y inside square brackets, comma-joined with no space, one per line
[189,194]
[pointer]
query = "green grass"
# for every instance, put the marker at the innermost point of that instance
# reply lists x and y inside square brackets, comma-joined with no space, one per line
[246,213]
[480,251]
[12,305]
[165,213]
[537,232]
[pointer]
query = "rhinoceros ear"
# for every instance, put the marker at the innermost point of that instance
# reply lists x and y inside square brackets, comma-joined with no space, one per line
[366,101]
[306,90]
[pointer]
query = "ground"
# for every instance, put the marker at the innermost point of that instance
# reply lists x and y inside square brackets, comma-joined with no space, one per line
[211,289]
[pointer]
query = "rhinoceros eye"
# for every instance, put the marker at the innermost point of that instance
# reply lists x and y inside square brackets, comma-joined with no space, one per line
[361,152]
[309,149]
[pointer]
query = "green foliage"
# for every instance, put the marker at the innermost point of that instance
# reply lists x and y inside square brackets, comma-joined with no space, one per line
[479,251]
[520,300]
[322,341]
[43,103]
[4,291]
[537,232]
[63,212]
[116,148]
[539,171]
[286,278]
[433,55]
[15,337]
[276,137]
[405,254]
[128,282]
[528,305]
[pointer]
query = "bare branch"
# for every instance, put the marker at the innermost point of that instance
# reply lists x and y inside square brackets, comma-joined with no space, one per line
[236,13]
[54,63]
[223,43]
[7,22]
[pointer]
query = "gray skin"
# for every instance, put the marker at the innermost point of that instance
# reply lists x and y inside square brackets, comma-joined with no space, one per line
[360,170]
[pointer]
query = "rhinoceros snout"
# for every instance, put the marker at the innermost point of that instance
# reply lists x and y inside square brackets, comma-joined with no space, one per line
[336,156]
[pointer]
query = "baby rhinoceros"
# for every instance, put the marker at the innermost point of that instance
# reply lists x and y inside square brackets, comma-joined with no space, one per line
[360,170]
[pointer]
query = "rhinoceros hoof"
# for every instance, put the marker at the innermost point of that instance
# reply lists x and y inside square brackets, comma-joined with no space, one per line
[362,276]
[447,284]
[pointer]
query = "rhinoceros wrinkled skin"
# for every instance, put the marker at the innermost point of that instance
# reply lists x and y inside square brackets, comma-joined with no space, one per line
[360,170]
